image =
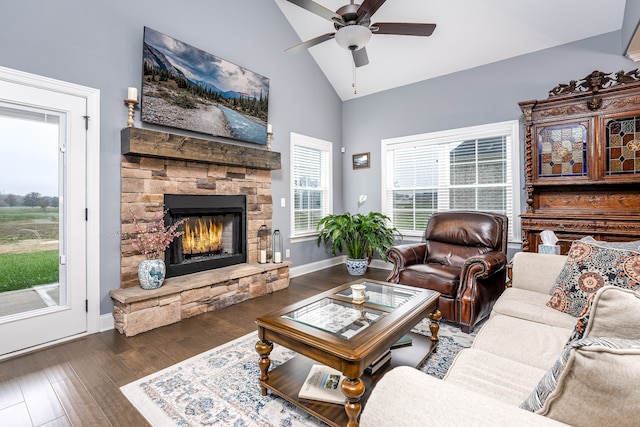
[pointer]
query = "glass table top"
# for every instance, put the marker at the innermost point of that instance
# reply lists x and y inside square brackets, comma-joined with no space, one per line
[385,295]
[347,319]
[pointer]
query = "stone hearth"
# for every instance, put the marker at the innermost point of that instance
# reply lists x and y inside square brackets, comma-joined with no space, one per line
[157,163]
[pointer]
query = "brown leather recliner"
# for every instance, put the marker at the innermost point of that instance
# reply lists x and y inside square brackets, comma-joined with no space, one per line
[463,257]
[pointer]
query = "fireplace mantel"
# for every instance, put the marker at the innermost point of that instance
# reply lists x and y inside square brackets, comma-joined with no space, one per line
[145,142]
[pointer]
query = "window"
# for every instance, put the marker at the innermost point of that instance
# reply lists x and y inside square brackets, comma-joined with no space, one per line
[311,183]
[461,169]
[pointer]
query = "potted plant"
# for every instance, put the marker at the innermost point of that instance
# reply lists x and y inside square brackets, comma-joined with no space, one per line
[152,240]
[359,235]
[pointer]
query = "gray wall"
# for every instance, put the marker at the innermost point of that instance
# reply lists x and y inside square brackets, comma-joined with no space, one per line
[99,44]
[482,95]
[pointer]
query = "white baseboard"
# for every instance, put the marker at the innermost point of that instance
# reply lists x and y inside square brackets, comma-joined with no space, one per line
[106,322]
[330,262]
[315,266]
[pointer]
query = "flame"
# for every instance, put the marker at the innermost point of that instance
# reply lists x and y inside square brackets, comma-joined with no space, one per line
[201,236]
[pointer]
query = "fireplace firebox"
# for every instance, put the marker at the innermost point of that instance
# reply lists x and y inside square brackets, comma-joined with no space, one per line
[214,232]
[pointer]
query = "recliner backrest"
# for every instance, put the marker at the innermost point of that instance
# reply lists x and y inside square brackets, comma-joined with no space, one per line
[452,237]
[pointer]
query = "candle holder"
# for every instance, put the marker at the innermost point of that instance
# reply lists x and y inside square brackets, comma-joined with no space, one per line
[276,241]
[131,103]
[263,244]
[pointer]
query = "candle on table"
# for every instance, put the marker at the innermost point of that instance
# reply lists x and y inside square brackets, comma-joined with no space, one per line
[263,256]
[277,257]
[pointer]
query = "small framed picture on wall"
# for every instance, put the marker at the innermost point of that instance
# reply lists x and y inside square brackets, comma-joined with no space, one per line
[361,161]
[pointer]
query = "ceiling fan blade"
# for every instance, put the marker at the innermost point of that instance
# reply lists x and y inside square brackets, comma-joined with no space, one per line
[404,28]
[368,8]
[311,42]
[319,10]
[360,57]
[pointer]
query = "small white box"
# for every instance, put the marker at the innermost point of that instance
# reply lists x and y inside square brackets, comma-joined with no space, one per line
[549,249]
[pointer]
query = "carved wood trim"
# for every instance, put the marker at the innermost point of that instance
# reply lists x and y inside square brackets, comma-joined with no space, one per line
[595,82]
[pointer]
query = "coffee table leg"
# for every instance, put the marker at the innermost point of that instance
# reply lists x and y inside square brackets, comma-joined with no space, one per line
[434,327]
[264,347]
[353,389]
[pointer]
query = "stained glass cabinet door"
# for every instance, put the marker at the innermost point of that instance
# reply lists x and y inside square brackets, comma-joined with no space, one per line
[622,147]
[562,151]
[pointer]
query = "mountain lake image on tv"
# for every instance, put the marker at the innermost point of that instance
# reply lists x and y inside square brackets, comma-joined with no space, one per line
[186,88]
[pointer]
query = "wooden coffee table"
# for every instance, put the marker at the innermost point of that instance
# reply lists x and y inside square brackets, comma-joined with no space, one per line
[331,329]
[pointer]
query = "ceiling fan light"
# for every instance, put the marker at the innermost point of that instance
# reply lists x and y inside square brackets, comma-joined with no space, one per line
[353,37]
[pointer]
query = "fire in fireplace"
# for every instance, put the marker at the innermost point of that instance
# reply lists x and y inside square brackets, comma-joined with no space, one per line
[215,232]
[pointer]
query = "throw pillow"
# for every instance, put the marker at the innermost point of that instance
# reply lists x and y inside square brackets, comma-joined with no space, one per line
[588,268]
[613,312]
[594,382]
[631,246]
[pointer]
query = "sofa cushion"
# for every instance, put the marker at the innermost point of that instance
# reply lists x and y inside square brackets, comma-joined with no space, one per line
[588,268]
[536,272]
[491,375]
[604,319]
[531,343]
[590,373]
[529,305]
[406,397]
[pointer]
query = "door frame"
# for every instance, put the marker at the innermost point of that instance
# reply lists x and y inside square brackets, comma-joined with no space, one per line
[92,97]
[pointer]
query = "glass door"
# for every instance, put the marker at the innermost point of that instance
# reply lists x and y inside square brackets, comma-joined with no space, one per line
[42,224]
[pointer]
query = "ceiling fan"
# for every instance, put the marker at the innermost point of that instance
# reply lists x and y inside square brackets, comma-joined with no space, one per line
[354,29]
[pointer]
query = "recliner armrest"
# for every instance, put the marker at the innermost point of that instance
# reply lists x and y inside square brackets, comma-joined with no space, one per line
[403,256]
[484,265]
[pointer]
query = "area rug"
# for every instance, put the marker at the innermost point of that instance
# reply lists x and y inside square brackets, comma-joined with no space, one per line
[220,386]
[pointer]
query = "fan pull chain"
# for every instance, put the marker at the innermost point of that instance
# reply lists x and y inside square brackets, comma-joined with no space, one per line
[353,85]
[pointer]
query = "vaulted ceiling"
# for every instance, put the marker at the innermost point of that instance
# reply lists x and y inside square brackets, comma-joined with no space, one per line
[469,33]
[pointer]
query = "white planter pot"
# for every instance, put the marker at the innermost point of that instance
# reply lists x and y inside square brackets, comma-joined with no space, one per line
[357,267]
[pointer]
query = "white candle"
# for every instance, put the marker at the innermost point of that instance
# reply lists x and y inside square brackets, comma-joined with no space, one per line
[132,93]
[269,128]
[263,256]
[277,257]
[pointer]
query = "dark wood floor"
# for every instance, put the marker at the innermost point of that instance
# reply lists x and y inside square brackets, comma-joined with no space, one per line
[78,383]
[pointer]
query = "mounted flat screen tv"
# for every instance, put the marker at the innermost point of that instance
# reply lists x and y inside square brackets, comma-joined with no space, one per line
[187,88]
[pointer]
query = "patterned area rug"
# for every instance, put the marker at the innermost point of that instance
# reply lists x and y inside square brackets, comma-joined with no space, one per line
[220,386]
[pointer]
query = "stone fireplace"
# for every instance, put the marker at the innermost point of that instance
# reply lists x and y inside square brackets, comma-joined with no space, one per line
[188,176]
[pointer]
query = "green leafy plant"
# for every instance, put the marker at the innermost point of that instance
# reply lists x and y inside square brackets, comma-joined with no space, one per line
[359,235]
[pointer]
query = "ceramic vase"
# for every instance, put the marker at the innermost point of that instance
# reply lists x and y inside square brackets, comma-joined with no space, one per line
[357,267]
[151,273]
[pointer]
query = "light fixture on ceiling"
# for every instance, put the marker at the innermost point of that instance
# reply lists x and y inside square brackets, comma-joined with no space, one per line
[353,37]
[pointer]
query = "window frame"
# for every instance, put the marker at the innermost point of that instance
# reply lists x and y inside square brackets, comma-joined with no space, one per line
[509,129]
[299,140]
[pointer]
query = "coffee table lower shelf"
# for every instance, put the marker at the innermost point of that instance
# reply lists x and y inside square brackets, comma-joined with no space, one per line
[287,379]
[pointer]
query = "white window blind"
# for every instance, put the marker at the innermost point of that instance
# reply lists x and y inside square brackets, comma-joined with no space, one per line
[463,169]
[311,183]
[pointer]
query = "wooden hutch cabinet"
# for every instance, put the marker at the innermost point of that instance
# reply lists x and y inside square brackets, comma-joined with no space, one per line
[582,161]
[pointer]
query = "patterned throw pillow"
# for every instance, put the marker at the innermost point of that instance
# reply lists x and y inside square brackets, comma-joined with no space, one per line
[588,268]
[553,386]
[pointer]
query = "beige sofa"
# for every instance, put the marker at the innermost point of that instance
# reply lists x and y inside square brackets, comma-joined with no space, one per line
[522,354]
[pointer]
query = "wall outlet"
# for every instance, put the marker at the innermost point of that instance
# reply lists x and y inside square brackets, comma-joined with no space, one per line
[283,202]
[287,253]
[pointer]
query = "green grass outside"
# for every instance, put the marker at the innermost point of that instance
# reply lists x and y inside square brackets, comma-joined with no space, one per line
[22,223]
[22,271]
